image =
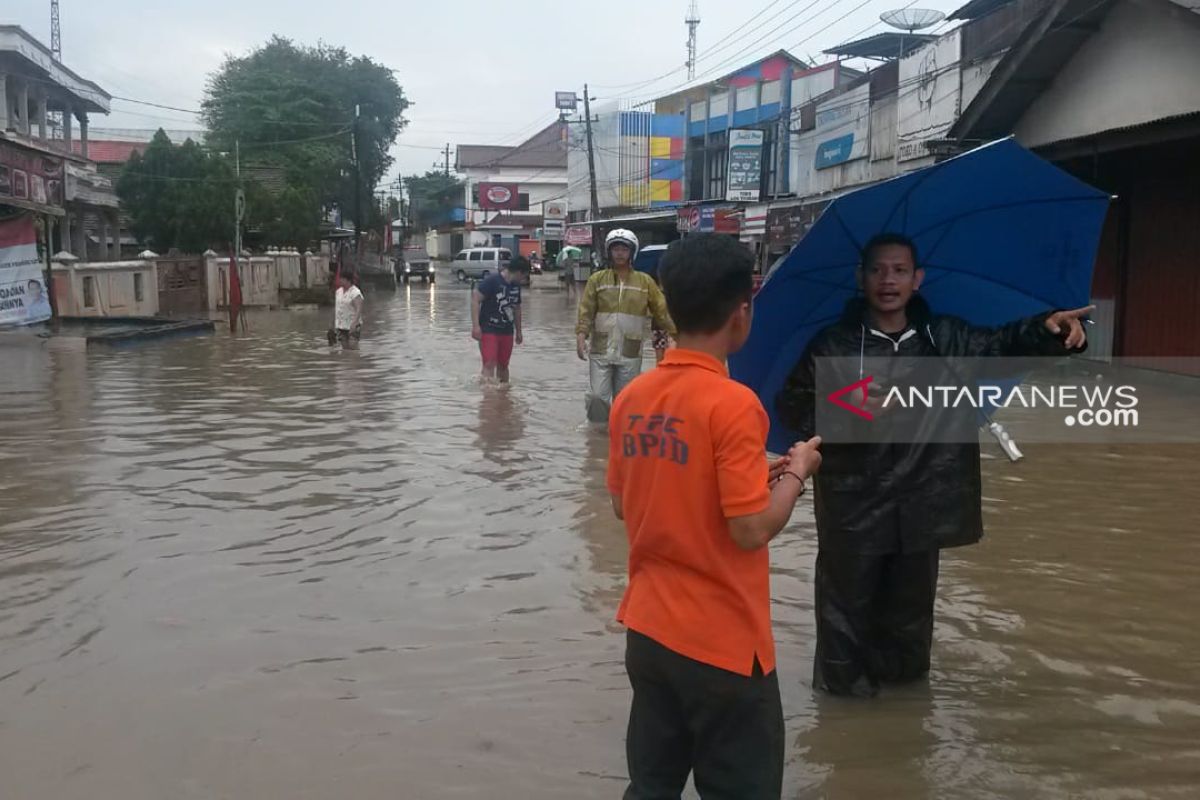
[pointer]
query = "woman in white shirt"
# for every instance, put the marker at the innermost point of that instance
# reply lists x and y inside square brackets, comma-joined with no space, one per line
[347,310]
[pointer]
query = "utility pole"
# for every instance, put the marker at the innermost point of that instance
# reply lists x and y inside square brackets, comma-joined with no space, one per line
[447,162]
[239,199]
[357,185]
[587,126]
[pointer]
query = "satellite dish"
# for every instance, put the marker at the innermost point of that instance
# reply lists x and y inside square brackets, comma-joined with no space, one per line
[912,19]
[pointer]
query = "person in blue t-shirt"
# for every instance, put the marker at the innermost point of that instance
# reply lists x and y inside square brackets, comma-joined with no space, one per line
[496,317]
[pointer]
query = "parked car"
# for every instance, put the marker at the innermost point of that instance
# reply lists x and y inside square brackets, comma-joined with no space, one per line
[647,259]
[476,263]
[417,265]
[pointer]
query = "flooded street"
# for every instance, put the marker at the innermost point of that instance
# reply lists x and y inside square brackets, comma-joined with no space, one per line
[259,568]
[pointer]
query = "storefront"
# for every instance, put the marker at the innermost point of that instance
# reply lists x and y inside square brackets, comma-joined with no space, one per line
[31,201]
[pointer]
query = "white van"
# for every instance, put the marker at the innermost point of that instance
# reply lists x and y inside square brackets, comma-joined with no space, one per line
[476,263]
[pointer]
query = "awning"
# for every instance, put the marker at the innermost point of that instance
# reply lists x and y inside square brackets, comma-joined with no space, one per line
[647,216]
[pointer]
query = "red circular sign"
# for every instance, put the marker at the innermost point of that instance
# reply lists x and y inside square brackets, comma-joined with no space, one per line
[499,194]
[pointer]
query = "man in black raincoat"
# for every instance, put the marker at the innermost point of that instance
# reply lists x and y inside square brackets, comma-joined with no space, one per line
[885,510]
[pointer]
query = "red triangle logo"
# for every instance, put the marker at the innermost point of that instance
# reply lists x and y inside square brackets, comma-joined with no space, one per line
[860,409]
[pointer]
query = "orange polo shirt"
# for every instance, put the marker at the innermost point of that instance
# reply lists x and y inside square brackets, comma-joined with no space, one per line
[687,451]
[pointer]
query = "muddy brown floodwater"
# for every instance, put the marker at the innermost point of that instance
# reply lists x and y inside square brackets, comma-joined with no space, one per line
[258,568]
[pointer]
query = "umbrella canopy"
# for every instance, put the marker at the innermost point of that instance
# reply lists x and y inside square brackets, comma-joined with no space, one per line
[570,251]
[1001,233]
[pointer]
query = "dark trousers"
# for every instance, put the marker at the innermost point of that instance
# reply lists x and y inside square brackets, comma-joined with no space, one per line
[874,619]
[687,716]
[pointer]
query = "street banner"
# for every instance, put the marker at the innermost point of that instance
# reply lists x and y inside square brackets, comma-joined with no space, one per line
[745,165]
[24,298]
[499,197]
[707,219]
[579,235]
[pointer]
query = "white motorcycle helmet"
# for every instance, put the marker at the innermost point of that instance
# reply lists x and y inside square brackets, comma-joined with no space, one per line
[622,236]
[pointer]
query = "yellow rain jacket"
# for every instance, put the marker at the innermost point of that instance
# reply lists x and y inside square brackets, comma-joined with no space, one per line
[614,314]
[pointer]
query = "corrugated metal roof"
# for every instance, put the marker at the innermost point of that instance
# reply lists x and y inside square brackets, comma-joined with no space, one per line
[883,45]
[546,149]
[1039,53]
[978,8]
[797,62]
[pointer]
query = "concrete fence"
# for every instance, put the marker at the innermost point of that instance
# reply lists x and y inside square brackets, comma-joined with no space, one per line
[259,279]
[180,286]
[104,288]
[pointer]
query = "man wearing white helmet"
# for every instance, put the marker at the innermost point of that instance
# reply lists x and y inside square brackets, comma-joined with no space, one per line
[613,313]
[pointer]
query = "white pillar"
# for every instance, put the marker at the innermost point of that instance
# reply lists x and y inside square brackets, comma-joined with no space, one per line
[83,134]
[102,237]
[79,246]
[64,233]
[3,102]
[115,227]
[67,115]
[23,108]
[41,115]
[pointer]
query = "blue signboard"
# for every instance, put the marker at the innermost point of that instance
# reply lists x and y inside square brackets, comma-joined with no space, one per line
[835,151]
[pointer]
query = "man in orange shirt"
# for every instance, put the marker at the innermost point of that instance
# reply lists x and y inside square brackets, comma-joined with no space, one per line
[688,474]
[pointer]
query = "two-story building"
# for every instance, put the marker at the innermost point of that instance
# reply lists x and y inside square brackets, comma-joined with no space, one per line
[534,170]
[45,112]
[706,157]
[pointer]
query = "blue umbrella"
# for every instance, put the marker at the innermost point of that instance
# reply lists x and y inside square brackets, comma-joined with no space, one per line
[1002,234]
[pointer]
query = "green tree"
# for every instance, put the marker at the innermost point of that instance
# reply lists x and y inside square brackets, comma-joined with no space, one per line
[179,196]
[290,217]
[309,110]
[432,197]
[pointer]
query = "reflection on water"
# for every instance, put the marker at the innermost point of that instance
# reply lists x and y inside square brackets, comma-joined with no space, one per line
[262,567]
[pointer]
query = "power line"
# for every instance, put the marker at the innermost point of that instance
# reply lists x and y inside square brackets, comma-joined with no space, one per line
[741,54]
[156,105]
[724,43]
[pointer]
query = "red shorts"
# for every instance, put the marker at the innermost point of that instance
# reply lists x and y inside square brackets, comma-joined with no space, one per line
[496,348]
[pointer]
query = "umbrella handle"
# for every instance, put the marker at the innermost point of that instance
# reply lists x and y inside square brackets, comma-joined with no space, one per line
[1006,442]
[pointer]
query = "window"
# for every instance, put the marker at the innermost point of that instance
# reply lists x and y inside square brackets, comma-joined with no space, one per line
[461,256]
[89,291]
[506,255]
[477,255]
[718,155]
[808,117]
[138,294]
[770,163]
[522,202]
[694,168]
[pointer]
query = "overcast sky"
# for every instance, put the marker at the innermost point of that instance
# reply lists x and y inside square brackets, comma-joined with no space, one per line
[477,71]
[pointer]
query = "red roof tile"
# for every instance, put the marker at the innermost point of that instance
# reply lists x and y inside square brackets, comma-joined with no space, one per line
[110,152]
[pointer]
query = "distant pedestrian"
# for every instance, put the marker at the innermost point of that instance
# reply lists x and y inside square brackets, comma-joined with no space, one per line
[616,305]
[689,476]
[347,310]
[496,317]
